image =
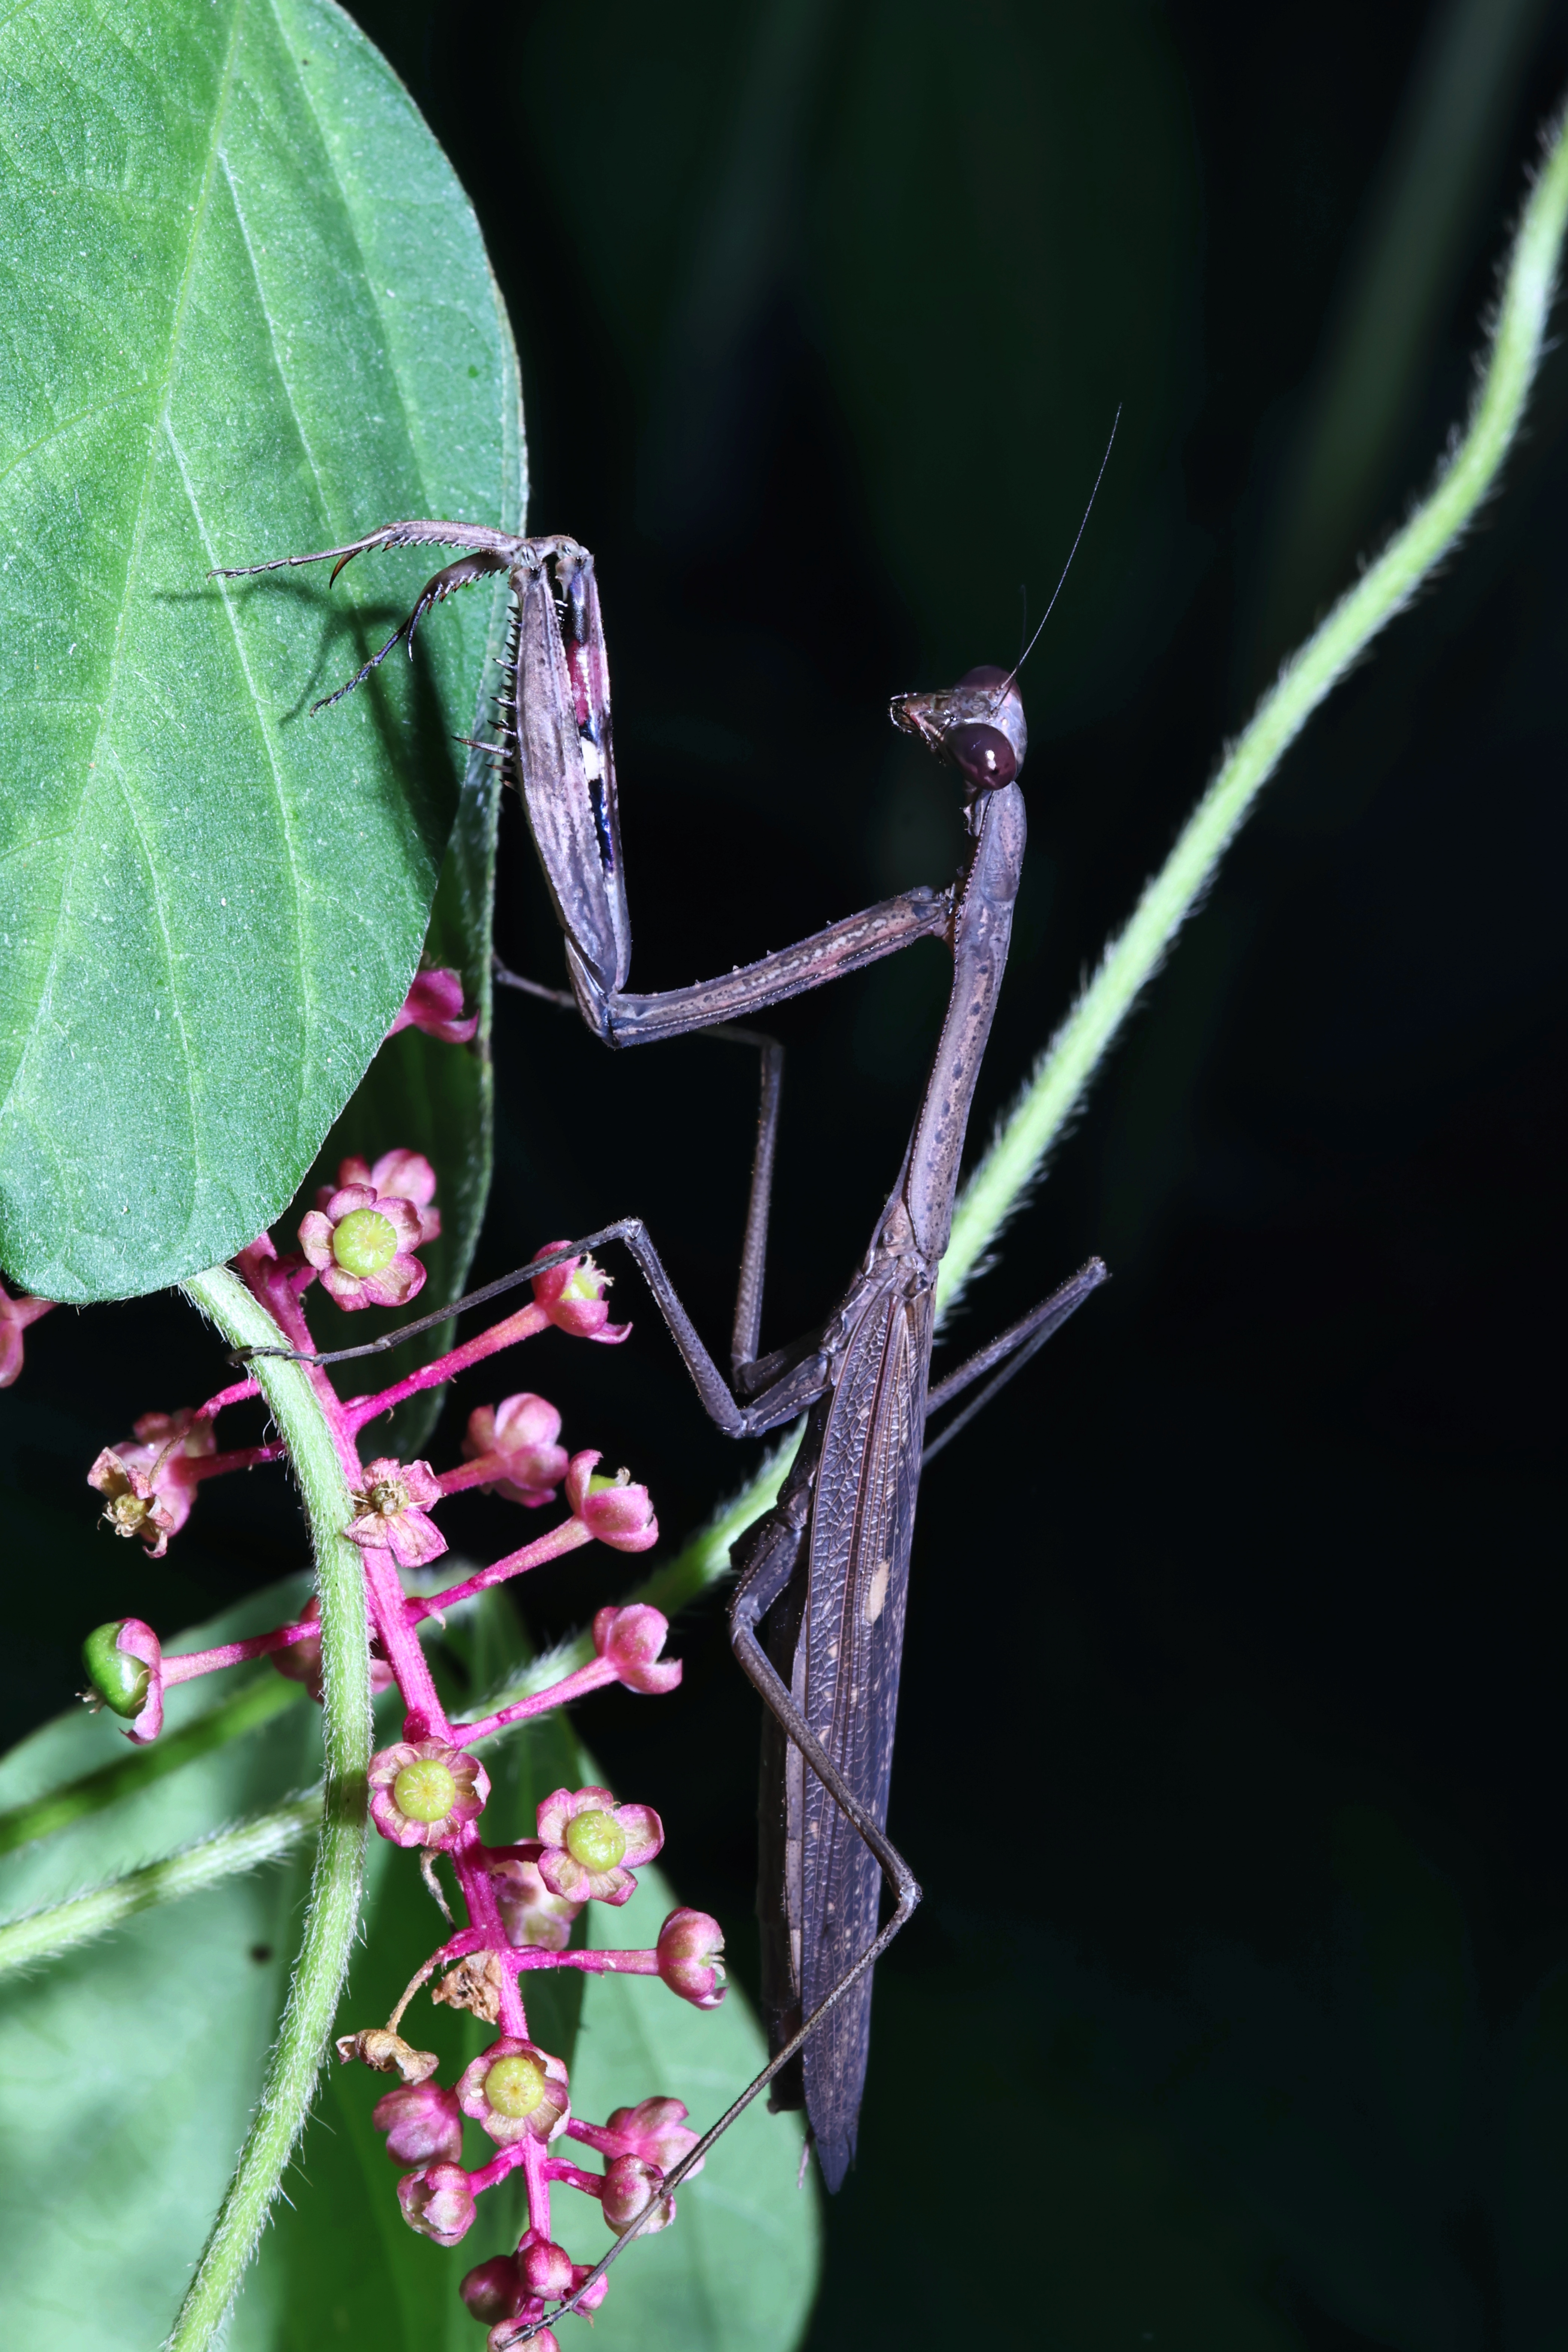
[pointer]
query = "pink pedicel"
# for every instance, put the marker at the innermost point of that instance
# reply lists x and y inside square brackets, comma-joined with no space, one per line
[523,1894]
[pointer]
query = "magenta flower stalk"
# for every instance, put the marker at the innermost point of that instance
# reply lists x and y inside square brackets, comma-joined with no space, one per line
[521,1894]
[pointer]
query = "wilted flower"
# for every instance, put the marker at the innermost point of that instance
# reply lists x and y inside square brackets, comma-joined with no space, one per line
[438,2202]
[391,1506]
[133,1507]
[530,1913]
[422,2122]
[572,1295]
[124,1661]
[521,1430]
[434,1004]
[614,1511]
[631,1639]
[689,1944]
[388,2052]
[515,2091]
[423,1792]
[587,1838]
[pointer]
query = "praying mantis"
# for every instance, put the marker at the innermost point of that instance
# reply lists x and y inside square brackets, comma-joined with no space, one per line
[817,1616]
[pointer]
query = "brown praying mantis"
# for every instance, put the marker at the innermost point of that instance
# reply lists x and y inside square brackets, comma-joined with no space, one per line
[817,1617]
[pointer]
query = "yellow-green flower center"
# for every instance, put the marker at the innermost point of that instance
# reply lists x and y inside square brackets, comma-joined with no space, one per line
[364,1242]
[514,2087]
[425,1792]
[595,1840]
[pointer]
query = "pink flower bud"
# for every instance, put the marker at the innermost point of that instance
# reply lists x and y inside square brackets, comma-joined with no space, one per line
[425,1792]
[587,1840]
[16,1314]
[614,1511]
[523,1431]
[493,2291]
[399,1175]
[689,1943]
[390,1512]
[530,1913]
[546,2269]
[631,1639]
[572,1295]
[422,2123]
[438,2202]
[656,2129]
[434,1004]
[630,2188]
[516,2091]
[124,1660]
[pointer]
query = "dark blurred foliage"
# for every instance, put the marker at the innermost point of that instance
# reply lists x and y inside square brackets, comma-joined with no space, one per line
[1236,2015]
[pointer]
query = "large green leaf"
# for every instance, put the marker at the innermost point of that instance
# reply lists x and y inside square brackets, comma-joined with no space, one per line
[247,312]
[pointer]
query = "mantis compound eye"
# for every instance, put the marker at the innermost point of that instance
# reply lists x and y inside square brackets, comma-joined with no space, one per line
[983,755]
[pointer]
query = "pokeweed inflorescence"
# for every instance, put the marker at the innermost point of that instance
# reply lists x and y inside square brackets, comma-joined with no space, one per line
[429,1790]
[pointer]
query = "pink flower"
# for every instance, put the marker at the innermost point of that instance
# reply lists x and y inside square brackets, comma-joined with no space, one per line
[530,1913]
[434,1004]
[689,1943]
[614,1511]
[391,1512]
[402,1175]
[516,2091]
[423,1792]
[16,1314]
[631,1639]
[630,2188]
[438,2202]
[587,1838]
[422,2122]
[300,1661]
[522,1432]
[572,1295]
[656,2129]
[361,1240]
[134,1506]
[124,1661]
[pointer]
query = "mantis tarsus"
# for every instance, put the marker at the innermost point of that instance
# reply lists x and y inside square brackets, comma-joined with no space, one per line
[817,1617]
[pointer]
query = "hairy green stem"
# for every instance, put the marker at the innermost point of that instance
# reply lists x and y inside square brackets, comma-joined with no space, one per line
[1468,474]
[332,1918]
[57,1928]
[246,1709]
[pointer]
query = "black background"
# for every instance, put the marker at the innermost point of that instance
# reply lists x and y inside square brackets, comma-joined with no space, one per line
[1231,1739]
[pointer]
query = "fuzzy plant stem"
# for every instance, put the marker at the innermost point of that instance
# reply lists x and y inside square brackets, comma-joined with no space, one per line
[1465,479]
[45,1934]
[332,1918]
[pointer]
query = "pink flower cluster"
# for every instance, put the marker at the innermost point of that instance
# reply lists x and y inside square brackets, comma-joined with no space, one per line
[429,1789]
